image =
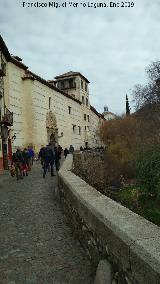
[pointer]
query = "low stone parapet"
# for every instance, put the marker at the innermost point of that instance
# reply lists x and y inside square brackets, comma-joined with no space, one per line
[109,231]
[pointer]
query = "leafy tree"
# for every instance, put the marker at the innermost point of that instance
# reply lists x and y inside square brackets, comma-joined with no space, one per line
[122,139]
[148,173]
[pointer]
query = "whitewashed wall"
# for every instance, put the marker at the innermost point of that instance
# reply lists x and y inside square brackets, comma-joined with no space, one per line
[29,101]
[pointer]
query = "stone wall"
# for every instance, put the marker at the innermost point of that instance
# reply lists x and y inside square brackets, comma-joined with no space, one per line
[109,231]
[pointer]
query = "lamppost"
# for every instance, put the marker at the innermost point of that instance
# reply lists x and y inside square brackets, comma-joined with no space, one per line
[14,137]
[1,96]
[61,135]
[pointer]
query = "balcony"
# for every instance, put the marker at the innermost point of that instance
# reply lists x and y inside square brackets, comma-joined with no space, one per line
[66,84]
[7,119]
[2,68]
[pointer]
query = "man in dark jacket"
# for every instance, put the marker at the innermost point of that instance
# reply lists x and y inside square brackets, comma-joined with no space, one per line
[49,158]
[58,151]
[41,154]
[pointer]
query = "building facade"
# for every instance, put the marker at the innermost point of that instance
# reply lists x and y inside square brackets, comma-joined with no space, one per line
[108,115]
[40,111]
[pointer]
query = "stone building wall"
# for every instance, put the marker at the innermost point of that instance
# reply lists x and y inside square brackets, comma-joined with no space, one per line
[14,99]
[31,98]
[128,243]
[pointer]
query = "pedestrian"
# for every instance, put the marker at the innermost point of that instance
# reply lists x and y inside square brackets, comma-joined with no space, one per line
[31,154]
[71,149]
[53,158]
[41,154]
[66,152]
[58,151]
[81,148]
[49,159]
[17,160]
[26,158]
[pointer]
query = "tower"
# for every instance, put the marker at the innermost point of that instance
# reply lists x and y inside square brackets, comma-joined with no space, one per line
[105,108]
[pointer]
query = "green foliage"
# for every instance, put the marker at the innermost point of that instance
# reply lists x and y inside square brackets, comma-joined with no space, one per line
[148,207]
[129,196]
[148,170]
[153,215]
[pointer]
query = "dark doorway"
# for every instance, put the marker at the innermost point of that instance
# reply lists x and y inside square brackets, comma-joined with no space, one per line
[52,139]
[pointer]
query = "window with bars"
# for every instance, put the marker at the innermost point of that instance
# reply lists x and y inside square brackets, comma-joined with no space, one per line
[86,101]
[74,128]
[49,102]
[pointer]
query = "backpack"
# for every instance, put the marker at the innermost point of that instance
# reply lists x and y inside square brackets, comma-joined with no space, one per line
[47,153]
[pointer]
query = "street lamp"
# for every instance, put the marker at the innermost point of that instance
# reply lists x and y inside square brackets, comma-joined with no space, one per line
[14,137]
[61,135]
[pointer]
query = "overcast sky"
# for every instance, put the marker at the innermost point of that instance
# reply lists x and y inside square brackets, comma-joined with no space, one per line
[109,46]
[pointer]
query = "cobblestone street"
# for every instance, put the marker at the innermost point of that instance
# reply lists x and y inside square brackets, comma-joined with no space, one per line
[36,246]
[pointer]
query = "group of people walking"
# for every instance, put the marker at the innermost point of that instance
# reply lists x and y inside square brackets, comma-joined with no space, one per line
[50,156]
[22,161]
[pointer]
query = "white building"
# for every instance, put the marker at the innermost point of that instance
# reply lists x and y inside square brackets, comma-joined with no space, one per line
[56,110]
[107,114]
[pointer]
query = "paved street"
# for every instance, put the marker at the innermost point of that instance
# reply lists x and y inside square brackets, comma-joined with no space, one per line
[36,246]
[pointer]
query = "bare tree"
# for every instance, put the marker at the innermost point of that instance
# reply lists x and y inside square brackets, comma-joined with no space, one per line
[153,71]
[148,94]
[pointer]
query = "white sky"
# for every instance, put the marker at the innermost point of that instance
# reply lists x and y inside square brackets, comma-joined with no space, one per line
[109,46]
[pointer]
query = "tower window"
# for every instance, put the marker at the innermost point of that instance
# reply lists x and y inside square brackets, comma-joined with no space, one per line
[69,110]
[70,83]
[88,117]
[74,128]
[81,84]
[84,116]
[49,102]
[86,102]
[82,99]
[62,84]
[85,87]
[79,130]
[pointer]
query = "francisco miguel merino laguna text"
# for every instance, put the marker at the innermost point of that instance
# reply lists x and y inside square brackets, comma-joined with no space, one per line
[110,4]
